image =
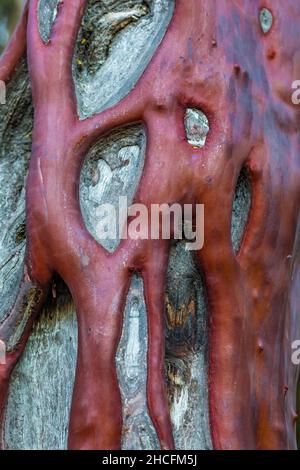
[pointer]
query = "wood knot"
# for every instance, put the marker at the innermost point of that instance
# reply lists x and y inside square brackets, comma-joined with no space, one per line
[260,346]
[271,54]
[236,69]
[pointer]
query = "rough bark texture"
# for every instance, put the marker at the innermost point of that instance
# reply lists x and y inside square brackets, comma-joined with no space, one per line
[229,64]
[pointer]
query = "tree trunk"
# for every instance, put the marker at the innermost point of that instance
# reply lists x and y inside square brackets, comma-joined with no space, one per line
[145,344]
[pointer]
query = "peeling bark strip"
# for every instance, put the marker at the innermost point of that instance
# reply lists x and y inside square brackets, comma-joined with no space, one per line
[215,58]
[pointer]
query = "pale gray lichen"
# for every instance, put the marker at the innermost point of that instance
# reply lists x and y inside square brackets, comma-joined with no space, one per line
[47,13]
[131,360]
[196,126]
[241,208]
[112,169]
[16,121]
[266,20]
[106,20]
[186,350]
[114,63]
[41,386]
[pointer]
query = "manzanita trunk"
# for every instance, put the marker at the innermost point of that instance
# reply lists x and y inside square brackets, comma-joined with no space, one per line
[215,57]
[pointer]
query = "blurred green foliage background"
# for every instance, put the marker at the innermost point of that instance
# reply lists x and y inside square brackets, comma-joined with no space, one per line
[9,13]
